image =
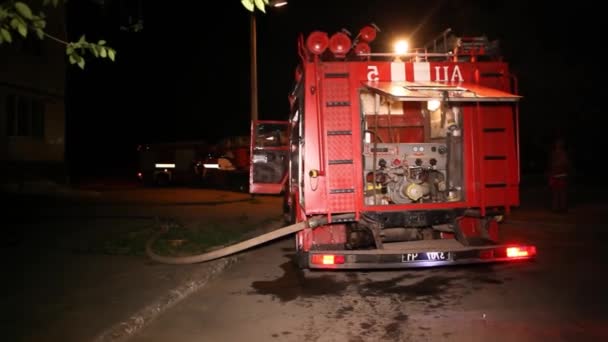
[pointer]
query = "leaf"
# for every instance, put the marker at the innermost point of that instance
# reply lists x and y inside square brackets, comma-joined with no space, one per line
[69,50]
[93,49]
[72,59]
[260,5]
[112,54]
[101,42]
[81,63]
[40,34]
[15,23]
[23,9]
[22,28]
[248,4]
[103,52]
[6,35]
[38,22]
[82,39]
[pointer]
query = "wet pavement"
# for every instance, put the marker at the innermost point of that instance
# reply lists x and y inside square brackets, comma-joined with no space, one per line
[265,297]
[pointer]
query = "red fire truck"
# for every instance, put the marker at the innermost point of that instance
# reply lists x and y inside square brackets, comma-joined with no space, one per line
[401,159]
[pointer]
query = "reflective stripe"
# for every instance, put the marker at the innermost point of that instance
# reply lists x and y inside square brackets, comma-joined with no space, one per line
[422,71]
[397,71]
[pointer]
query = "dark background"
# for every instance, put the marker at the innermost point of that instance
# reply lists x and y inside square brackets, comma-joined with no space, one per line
[185,76]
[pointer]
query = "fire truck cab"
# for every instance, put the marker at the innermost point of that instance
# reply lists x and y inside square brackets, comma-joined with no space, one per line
[409,158]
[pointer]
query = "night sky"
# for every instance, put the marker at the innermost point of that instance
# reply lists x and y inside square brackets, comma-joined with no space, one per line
[185,76]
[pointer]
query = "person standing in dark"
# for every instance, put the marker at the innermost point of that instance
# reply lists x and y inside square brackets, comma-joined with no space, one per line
[558,169]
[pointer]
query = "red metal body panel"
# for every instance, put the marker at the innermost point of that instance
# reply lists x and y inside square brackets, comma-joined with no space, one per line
[492,74]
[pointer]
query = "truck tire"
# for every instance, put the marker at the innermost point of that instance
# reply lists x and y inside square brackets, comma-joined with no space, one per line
[289,212]
[302,260]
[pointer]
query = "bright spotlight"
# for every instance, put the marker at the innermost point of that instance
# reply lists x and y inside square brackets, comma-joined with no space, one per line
[401,47]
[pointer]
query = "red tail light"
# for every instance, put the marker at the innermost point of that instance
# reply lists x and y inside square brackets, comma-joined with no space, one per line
[486,254]
[327,259]
[521,251]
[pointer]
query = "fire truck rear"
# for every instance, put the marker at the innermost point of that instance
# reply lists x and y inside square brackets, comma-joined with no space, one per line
[402,159]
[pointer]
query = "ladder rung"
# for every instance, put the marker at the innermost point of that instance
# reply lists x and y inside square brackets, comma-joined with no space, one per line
[340,161]
[341,191]
[338,103]
[339,132]
[336,75]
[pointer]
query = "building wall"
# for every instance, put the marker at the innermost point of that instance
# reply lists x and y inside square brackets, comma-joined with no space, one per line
[32,105]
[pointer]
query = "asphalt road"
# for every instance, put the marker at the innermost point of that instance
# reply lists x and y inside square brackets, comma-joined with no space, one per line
[561,296]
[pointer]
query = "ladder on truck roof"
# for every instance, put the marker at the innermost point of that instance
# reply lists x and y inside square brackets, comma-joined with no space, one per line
[463,46]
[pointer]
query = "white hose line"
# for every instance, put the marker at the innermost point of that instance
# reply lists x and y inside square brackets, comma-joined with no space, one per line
[220,253]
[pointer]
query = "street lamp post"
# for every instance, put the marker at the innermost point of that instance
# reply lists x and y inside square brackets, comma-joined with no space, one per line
[254,59]
[254,70]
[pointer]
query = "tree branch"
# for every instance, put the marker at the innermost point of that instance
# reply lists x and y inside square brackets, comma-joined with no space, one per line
[55,38]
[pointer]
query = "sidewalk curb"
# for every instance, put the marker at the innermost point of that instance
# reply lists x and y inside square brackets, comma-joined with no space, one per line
[125,329]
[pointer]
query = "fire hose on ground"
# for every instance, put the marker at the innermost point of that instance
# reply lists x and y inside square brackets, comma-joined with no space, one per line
[237,247]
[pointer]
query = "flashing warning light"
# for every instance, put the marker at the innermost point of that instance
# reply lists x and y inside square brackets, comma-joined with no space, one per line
[368,33]
[339,44]
[327,259]
[317,42]
[521,251]
[362,47]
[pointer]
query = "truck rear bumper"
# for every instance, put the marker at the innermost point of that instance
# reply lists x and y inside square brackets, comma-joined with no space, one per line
[419,254]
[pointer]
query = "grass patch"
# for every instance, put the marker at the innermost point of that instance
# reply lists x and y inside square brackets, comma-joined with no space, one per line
[178,240]
[125,242]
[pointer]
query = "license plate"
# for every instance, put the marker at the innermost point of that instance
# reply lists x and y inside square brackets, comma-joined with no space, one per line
[426,256]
